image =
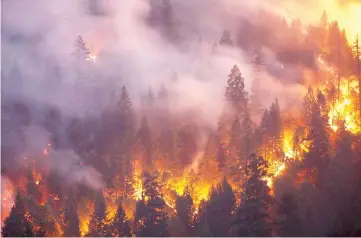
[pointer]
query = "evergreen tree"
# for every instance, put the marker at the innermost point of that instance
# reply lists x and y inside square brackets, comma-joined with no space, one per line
[356,50]
[201,223]
[256,94]
[251,218]
[288,222]
[184,208]
[124,137]
[221,157]
[219,209]
[124,105]
[235,138]
[275,121]
[32,187]
[322,103]
[145,141]
[338,186]
[81,50]
[186,145]
[166,144]
[153,219]
[235,94]
[226,38]
[274,130]
[246,140]
[16,224]
[97,226]
[71,220]
[308,105]
[318,155]
[121,225]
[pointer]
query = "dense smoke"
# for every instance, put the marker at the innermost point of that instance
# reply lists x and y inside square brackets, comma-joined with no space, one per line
[135,48]
[130,51]
[119,110]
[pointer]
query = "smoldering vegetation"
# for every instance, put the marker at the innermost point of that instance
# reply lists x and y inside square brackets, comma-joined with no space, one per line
[171,117]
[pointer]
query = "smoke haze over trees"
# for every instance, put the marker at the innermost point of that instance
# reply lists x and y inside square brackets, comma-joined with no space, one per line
[181,118]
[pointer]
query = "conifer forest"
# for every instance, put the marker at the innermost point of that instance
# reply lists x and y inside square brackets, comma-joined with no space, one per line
[153,118]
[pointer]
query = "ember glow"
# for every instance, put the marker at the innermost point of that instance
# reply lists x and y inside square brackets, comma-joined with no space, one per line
[136,119]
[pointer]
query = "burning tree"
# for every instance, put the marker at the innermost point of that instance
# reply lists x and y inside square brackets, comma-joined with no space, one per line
[150,216]
[251,218]
[17,223]
[97,225]
[121,225]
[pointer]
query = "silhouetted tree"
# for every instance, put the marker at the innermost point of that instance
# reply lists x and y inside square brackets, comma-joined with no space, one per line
[184,208]
[235,94]
[71,220]
[16,224]
[97,226]
[145,142]
[121,225]
[288,220]
[251,218]
[150,211]
[318,155]
[308,105]
[226,38]
[219,208]
[81,50]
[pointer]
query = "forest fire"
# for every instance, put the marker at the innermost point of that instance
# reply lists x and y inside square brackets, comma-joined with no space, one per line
[344,108]
[149,169]
[85,210]
[288,147]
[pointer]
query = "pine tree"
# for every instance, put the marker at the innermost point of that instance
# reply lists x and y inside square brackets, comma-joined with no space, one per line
[357,59]
[226,38]
[274,130]
[235,94]
[153,219]
[124,105]
[221,157]
[318,155]
[97,226]
[81,50]
[71,220]
[219,209]
[246,140]
[201,223]
[251,218]
[186,145]
[308,105]
[235,136]
[275,126]
[121,225]
[288,222]
[16,224]
[321,100]
[145,141]
[32,187]
[338,186]
[166,144]
[124,137]
[257,66]
[184,208]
